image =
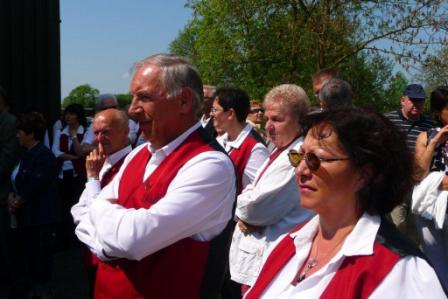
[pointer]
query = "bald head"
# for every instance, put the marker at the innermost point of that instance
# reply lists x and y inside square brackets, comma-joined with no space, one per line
[111,129]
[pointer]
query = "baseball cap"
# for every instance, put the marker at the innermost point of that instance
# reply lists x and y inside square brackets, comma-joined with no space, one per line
[414,91]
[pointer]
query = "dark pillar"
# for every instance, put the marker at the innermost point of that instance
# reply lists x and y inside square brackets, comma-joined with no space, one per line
[30,55]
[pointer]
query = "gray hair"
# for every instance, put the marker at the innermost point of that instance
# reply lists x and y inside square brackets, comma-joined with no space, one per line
[336,93]
[177,73]
[291,97]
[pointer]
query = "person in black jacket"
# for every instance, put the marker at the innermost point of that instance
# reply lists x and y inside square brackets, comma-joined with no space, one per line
[32,202]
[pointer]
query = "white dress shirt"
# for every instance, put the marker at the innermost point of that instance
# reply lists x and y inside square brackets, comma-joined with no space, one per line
[411,277]
[93,187]
[258,155]
[273,202]
[67,164]
[198,204]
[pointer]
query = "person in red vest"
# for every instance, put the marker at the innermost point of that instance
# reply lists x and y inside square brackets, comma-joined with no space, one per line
[72,171]
[110,128]
[244,145]
[162,226]
[269,206]
[352,170]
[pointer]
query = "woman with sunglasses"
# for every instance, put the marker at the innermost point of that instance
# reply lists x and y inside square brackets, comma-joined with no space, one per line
[268,207]
[352,169]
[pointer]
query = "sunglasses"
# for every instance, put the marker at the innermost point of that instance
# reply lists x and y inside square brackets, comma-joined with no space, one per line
[312,161]
[256,110]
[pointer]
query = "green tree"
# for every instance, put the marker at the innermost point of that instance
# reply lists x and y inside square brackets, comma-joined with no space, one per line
[123,99]
[83,94]
[434,70]
[258,44]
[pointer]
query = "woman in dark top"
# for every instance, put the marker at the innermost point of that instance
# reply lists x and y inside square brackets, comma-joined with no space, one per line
[32,202]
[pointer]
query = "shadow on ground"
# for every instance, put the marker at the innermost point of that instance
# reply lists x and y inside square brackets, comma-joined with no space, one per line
[69,276]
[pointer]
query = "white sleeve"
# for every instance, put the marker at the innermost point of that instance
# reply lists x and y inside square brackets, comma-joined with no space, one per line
[55,148]
[411,277]
[257,158]
[88,136]
[273,196]
[198,204]
[81,208]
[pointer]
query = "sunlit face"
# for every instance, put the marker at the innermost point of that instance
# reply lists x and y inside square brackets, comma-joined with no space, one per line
[110,133]
[412,108]
[281,126]
[334,184]
[256,114]
[158,116]
[220,117]
[24,139]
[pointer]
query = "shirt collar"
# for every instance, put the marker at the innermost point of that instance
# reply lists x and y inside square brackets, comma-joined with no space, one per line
[170,147]
[359,242]
[115,157]
[240,139]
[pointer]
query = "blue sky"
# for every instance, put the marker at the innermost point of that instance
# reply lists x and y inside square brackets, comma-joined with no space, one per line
[101,39]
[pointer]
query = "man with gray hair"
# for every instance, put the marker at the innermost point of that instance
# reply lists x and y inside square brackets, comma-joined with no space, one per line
[335,93]
[162,226]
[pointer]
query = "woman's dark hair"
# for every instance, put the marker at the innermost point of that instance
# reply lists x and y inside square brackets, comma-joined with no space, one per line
[79,111]
[439,99]
[369,139]
[236,98]
[32,122]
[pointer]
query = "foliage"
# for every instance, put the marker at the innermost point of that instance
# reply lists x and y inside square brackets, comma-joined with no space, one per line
[123,99]
[258,44]
[82,94]
[434,71]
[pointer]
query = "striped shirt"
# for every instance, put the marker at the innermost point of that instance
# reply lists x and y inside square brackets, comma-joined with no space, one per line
[410,128]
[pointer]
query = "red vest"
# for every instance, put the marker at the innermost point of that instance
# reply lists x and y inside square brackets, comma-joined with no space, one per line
[90,260]
[79,164]
[357,277]
[241,155]
[176,271]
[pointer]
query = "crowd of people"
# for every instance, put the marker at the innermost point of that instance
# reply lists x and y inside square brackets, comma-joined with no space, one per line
[197,191]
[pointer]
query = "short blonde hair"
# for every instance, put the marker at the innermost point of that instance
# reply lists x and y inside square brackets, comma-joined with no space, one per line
[291,97]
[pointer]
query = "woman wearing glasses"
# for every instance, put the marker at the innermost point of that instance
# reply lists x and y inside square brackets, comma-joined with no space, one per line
[352,169]
[268,207]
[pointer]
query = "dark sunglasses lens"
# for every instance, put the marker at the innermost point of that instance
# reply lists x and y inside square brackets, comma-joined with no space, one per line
[312,161]
[256,110]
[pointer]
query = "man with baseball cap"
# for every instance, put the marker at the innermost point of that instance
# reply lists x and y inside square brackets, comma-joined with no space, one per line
[411,121]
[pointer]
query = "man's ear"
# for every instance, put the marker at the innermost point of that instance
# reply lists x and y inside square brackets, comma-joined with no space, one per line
[186,99]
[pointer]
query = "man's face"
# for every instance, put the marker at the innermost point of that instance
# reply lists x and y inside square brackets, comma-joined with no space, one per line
[158,116]
[412,108]
[208,100]
[110,133]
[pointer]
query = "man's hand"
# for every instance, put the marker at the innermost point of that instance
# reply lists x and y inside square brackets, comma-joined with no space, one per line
[94,162]
[248,229]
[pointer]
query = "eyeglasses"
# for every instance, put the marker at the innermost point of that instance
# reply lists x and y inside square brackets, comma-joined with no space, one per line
[256,110]
[214,110]
[311,160]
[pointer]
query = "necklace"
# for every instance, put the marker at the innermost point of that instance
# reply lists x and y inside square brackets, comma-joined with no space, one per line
[312,262]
